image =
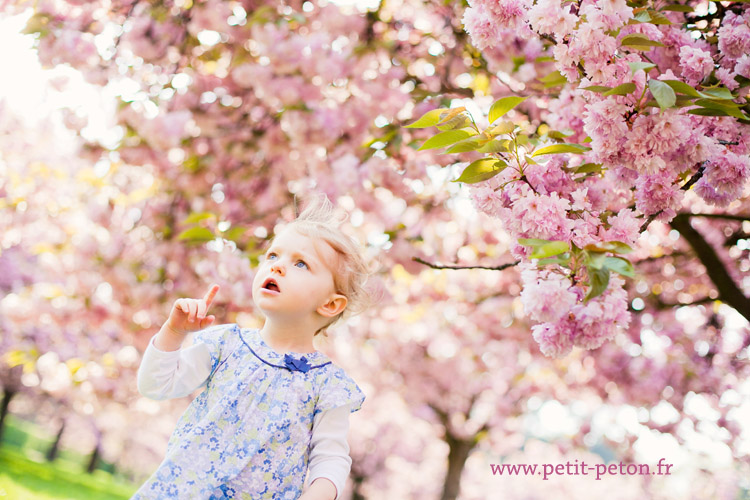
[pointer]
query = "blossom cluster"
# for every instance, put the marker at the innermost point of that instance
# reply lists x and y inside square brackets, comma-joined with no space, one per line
[647,147]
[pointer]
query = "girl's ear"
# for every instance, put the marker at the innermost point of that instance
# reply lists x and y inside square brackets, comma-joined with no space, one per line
[335,305]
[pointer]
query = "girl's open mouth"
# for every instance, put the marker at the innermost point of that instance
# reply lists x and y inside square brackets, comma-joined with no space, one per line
[270,286]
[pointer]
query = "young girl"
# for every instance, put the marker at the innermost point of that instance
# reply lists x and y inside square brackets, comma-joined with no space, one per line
[273,406]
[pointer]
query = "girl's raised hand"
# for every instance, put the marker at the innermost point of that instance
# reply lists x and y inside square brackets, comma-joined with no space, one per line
[189,315]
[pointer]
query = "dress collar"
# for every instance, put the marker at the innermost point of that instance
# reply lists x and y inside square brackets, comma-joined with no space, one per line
[294,361]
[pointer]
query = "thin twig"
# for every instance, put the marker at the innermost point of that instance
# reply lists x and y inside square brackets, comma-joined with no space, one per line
[438,266]
[687,186]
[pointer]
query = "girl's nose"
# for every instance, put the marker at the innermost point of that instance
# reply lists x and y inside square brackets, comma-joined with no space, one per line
[277,267]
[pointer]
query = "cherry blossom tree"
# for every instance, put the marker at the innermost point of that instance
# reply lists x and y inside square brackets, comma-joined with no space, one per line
[629,136]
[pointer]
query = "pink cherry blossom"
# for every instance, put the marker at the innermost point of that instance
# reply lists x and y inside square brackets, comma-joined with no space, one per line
[486,199]
[727,173]
[654,192]
[543,217]
[624,227]
[696,64]
[550,17]
[726,77]
[743,66]
[545,295]
[601,318]
[734,35]
[481,27]
[554,339]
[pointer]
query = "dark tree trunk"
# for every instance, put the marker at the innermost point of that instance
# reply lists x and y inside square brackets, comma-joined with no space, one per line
[93,460]
[7,396]
[459,452]
[357,481]
[55,448]
[728,290]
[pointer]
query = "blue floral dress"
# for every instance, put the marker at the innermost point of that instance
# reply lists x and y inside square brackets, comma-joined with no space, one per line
[247,435]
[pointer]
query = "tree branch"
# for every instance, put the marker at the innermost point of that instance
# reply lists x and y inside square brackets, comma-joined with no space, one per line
[738,217]
[664,305]
[697,175]
[728,290]
[437,266]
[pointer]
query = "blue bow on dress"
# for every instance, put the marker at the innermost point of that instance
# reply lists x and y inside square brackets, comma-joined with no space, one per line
[299,365]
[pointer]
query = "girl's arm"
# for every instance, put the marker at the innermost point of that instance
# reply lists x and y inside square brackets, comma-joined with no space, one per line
[321,489]
[167,374]
[330,462]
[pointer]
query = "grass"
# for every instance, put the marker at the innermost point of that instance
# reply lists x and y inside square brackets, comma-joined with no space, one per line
[25,474]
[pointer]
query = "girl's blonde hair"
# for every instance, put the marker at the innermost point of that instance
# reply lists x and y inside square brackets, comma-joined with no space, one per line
[351,272]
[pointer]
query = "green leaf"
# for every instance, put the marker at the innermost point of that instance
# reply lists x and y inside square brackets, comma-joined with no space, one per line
[196,234]
[610,246]
[623,89]
[639,41]
[598,281]
[553,79]
[707,112]
[676,7]
[471,144]
[560,148]
[620,265]
[597,88]
[502,128]
[658,18]
[234,233]
[728,109]
[588,167]
[562,260]
[495,146]
[38,23]
[549,249]
[681,102]
[559,134]
[451,114]
[503,105]
[641,17]
[595,259]
[716,103]
[717,93]
[645,66]
[682,88]
[193,163]
[532,242]
[663,93]
[262,15]
[481,170]
[457,122]
[429,119]
[445,139]
[198,216]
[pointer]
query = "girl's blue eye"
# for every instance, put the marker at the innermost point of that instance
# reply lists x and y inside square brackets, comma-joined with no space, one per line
[271,256]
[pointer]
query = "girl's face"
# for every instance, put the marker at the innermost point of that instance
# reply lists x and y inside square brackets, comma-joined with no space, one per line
[294,278]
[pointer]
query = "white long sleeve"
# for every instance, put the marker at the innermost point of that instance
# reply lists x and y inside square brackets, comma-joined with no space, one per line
[329,449]
[174,374]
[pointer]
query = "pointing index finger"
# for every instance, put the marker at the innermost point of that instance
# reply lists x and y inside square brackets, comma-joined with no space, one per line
[211,294]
